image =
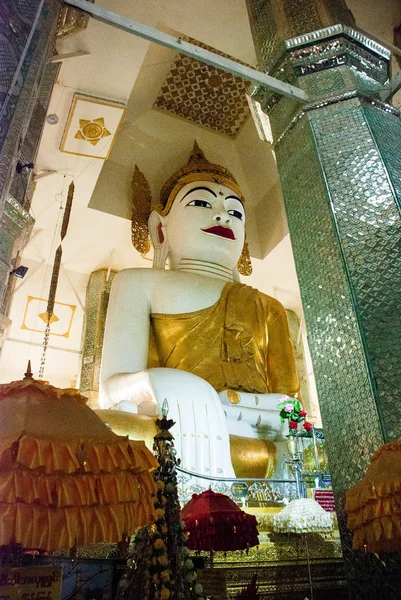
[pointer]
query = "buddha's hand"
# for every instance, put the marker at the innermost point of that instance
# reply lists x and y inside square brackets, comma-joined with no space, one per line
[201,436]
[144,392]
[257,410]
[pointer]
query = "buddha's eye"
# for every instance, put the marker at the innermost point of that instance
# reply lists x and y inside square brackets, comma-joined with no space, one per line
[201,203]
[235,213]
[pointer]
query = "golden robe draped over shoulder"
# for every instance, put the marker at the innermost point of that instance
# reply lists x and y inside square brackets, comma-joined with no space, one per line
[240,343]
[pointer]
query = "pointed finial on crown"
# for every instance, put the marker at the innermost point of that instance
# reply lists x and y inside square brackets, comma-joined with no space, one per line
[197,153]
[28,374]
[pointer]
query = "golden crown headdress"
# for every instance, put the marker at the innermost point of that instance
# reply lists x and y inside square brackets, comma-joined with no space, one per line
[197,168]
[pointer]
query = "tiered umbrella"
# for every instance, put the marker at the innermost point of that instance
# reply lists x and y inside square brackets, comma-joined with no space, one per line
[215,523]
[303,515]
[65,477]
[374,504]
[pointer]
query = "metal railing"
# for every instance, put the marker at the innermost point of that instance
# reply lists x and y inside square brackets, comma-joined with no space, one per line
[251,492]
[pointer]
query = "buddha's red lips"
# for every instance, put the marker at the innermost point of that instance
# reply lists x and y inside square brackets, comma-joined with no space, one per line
[224,232]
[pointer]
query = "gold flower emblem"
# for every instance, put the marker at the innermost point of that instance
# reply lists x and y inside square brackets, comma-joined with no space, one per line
[92,131]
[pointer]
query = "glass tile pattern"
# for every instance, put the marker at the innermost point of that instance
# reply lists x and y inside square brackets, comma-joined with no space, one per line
[264,31]
[369,233]
[97,299]
[335,342]
[273,20]
[302,16]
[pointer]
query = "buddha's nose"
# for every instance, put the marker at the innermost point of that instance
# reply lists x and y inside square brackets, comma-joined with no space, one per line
[222,217]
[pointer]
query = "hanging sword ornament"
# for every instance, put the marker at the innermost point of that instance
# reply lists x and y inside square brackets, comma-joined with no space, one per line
[55,275]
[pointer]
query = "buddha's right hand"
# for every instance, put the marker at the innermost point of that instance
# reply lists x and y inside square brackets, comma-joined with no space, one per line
[146,390]
[201,435]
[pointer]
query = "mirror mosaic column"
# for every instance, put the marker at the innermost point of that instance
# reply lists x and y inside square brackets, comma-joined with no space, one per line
[339,160]
[97,300]
[27,30]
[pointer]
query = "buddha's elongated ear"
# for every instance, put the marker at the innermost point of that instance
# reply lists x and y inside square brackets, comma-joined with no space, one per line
[158,236]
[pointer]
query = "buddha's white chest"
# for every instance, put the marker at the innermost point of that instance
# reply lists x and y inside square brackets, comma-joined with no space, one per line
[175,292]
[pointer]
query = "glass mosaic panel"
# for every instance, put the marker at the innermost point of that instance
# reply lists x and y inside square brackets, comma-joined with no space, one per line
[264,31]
[386,131]
[340,13]
[296,17]
[6,246]
[342,379]
[97,297]
[302,16]
[346,398]
[369,230]
[329,83]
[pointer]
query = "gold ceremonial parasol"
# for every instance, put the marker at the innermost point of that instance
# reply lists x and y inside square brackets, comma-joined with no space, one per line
[373,505]
[65,477]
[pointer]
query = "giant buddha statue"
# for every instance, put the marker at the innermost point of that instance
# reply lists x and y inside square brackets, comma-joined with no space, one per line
[217,349]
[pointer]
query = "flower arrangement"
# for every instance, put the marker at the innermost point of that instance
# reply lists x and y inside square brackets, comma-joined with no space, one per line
[291,410]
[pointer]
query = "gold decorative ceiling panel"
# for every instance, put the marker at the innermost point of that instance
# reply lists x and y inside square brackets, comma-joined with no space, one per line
[204,95]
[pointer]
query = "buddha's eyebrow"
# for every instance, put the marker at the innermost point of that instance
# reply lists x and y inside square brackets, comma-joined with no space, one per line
[234,198]
[199,188]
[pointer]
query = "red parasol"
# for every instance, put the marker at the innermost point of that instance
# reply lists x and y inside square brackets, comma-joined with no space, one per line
[214,522]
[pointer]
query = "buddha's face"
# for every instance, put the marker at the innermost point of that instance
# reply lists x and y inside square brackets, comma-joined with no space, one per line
[206,222]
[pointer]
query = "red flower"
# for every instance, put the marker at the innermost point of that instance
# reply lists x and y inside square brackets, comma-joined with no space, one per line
[293,425]
[302,413]
[308,426]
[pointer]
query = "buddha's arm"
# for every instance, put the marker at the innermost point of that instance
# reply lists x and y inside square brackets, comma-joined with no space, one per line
[126,338]
[281,368]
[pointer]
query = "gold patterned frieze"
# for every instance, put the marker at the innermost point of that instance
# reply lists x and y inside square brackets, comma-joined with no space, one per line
[285,551]
[285,547]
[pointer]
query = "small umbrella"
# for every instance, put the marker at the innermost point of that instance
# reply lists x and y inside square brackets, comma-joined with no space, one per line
[373,505]
[215,523]
[66,478]
[303,515]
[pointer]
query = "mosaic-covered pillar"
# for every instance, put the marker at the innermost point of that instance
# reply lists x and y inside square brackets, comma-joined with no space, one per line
[338,157]
[27,33]
[27,30]
[97,300]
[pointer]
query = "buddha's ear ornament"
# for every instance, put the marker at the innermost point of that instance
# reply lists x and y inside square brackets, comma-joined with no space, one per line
[141,209]
[244,264]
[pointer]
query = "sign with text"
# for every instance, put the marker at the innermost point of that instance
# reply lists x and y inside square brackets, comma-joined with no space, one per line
[239,489]
[30,583]
[213,582]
